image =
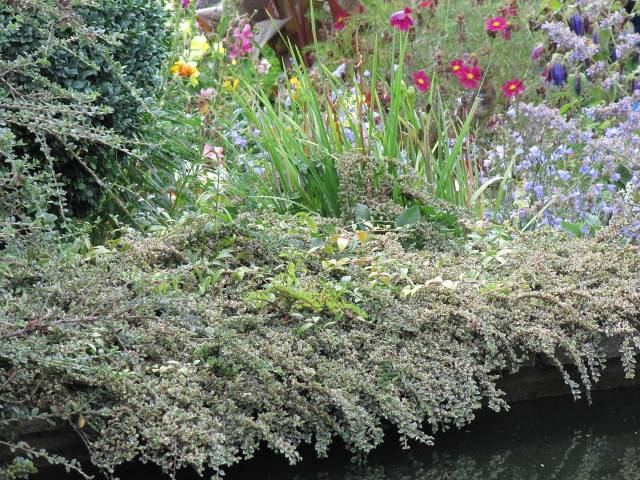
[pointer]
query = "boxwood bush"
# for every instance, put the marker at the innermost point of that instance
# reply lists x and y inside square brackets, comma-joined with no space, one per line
[110,51]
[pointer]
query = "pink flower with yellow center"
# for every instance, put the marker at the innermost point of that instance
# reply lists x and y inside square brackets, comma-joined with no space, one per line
[497,24]
[456,66]
[421,81]
[470,77]
[512,88]
[402,20]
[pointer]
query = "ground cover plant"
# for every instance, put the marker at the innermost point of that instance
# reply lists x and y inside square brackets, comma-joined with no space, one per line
[357,215]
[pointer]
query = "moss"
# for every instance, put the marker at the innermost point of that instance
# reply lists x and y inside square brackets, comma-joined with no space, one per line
[197,345]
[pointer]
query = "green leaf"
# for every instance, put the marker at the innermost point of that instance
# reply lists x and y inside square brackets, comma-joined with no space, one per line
[362,212]
[410,216]
[573,228]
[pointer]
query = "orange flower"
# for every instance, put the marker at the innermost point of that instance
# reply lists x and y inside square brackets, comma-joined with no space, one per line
[186,70]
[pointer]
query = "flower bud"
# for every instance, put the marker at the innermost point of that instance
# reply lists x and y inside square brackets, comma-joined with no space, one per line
[576,24]
[557,74]
[537,52]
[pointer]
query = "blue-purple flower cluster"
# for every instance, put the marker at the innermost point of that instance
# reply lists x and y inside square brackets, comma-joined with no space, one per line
[570,171]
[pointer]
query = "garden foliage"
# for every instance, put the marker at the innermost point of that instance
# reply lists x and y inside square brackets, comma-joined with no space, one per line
[75,76]
[198,345]
[364,233]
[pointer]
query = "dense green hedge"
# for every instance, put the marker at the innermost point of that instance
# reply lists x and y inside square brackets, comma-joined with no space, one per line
[197,345]
[112,50]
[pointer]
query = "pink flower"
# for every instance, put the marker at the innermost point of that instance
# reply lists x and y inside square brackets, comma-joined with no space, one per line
[421,80]
[497,24]
[512,88]
[470,77]
[242,42]
[456,67]
[537,51]
[185,3]
[402,20]
[213,153]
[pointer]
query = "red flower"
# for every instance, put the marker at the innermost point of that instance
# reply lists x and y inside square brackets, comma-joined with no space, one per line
[421,80]
[402,20]
[428,4]
[456,66]
[470,77]
[497,24]
[513,88]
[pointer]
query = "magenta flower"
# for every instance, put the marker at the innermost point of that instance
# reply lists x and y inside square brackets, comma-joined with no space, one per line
[470,77]
[512,88]
[456,67]
[242,42]
[497,24]
[340,16]
[421,81]
[341,22]
[402,20]
[185,3]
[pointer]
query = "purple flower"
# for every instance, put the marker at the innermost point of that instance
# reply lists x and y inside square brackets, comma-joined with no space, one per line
[576,24]
[537,52]
[185,3]
[538,190]
[564,175]
[557,74]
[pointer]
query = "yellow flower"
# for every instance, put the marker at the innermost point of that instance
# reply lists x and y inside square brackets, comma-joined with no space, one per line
[294,83]
[198,47]
[185,26]
[230,85]
[186,69]
[218,48]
